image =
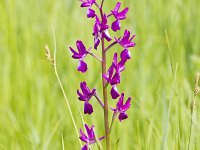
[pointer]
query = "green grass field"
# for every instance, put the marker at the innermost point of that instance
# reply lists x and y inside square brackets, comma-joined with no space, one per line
[159,78]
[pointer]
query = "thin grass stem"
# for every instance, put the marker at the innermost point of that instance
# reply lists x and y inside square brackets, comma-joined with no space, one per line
[62,89]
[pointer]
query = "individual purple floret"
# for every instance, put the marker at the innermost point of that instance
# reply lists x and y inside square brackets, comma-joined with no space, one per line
[125,54]
[126,40]
[88,138]
[121,108]
[100,31]
[113,76]
[90,11]
[116,25]
[85,96]
[114,92]
[82,52]
[114,72]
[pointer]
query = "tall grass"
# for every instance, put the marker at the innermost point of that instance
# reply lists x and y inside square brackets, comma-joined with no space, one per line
[33,112]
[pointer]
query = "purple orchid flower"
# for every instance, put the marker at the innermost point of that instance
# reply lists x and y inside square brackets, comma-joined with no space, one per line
[88,3]
[88,138]
[121,108]
[116,25]
[82,52]
[126,41]
[100,31]
[114,72]
[85,96]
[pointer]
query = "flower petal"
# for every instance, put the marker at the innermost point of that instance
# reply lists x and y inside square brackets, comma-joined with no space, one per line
[90,13]
[83,137]
[122,116]
[120,102]
[122,15]
[82,66]
[84,88]
[88,109]
[85,147]
[117,7]
[116,25]
[115,79]
[96,43]
[125,54]
[106,35]
[114,92]
[81,96]
[90,132]
[85,4]
[75,54]
[81,47]
[127,105]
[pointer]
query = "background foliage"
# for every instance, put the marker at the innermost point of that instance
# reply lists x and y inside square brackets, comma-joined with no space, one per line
[160,78]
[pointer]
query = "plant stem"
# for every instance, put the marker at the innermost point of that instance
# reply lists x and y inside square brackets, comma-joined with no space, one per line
[95,56]
[105,98]
[99,100]
[112,122]
[111,45]
[196,92]
[191,119]
[105,95]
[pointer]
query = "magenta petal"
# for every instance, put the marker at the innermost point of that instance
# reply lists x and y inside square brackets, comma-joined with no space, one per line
[75,54]
[86,4]
[81,96]
[122,116]
[120,102]
[116,25]
[116,9]
[115,79]
[114,92]
[88,109]
[83,137]
[90,132]
[82,66]
[81,47]
[85,147]
[127,105]
[115,59]
[90,13]
[125,54]
[96,43]
[122,15]
[106,35]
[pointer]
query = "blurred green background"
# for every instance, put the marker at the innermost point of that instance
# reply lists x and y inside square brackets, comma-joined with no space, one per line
[159,78]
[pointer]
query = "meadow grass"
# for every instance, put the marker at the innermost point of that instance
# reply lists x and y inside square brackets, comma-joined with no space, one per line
[160,78]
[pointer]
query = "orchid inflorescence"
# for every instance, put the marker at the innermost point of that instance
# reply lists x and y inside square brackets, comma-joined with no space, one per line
[111,76]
